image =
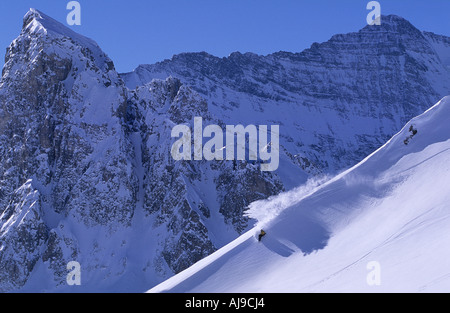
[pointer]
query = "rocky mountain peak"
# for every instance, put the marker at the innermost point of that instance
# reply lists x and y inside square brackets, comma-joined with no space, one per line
[32,15]
[43,34]
[36,22]
[393,24]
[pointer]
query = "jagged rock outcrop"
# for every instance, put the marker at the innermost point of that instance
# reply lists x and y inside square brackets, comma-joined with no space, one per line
[174,192]
[22,235]
[62,143]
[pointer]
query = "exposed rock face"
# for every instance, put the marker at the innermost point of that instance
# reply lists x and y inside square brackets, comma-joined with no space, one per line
[86,172]
[23,232]
[174,193]
[58,145]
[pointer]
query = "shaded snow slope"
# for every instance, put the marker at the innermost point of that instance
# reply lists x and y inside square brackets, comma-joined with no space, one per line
[392,208]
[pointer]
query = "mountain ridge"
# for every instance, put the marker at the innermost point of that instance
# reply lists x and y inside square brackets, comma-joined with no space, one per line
[372,73]
[387,19]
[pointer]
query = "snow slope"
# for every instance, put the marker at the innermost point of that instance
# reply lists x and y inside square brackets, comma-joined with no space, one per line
[392,208]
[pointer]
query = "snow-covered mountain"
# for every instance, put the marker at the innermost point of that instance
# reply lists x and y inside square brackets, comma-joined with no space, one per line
[65,158]
[381,226]
[336,102]
[86,172]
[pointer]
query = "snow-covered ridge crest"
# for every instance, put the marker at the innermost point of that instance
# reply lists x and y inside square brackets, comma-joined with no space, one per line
[433,126]
[391,209]
[37,22]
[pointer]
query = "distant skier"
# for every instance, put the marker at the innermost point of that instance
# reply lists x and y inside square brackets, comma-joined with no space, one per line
[261,235]
[413,132]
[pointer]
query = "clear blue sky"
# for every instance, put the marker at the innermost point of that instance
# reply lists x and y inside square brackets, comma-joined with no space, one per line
[134,32]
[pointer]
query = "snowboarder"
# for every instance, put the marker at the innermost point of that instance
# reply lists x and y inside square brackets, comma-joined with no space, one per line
[261,235]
